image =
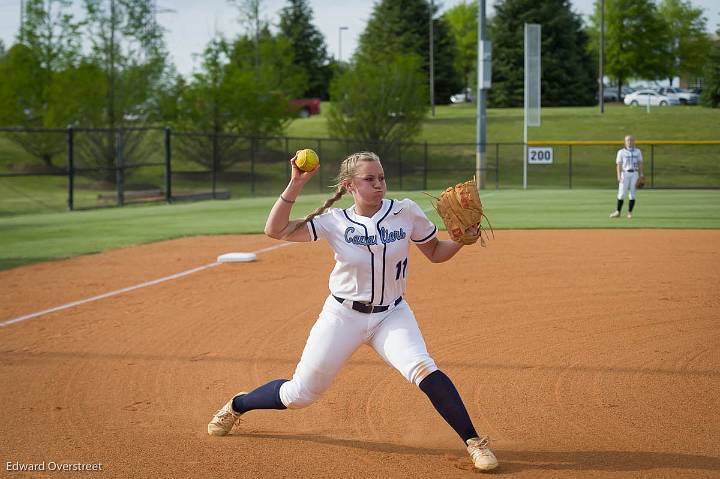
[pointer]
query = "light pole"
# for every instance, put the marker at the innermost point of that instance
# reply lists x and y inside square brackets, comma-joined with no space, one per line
[481,118]
[340,30]
[22,20]
[601,66]
[432,61]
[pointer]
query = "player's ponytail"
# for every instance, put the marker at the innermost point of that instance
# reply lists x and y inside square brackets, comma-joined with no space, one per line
[347,171]
[328,203]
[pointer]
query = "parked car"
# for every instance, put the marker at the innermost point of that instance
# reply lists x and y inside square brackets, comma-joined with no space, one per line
[610,93]
[304,107]
[625,91]
[463,97]
[641,98]
[685,97]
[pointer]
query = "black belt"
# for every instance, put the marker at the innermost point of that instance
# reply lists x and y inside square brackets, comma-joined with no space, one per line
[367,308]
[629,171]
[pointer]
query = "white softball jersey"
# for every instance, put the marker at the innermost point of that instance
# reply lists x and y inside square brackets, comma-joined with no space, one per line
[371,254]
[629,160]
[371,257]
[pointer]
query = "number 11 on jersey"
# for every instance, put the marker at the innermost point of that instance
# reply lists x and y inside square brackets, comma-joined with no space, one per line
[401,267]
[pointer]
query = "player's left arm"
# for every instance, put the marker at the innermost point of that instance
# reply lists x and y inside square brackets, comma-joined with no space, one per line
[439,251]
[434,249]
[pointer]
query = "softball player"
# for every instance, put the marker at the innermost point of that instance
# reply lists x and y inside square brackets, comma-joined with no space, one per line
[371,241]
[629,166]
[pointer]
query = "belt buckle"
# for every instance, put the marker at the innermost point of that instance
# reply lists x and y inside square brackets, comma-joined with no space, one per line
[366,308]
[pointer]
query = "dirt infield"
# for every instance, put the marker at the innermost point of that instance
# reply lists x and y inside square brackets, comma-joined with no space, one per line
[581,353]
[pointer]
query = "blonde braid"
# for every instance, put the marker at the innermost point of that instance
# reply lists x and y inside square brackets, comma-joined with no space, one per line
[328,203]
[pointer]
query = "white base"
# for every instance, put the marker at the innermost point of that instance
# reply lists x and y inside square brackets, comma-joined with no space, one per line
[236,258]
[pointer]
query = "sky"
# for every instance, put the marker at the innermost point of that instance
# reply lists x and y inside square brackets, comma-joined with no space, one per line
[190,24]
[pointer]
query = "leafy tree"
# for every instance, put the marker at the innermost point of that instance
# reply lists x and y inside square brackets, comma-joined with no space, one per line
[462,19]
[234,95]
[250,17]
[636,40]
[379,102]
[2,48]
[127,46]
[308,46]
[401,27]
[447,81]
[83,89]
[47,48]
[711,87]
[211,103]
[18,93]
[568,72]
[268,61]
[166,103]
[21,103]
[689,42]
[51,32]
[276,74]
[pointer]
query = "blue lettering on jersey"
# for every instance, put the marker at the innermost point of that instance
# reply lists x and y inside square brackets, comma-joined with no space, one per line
[391,236]
[362,240]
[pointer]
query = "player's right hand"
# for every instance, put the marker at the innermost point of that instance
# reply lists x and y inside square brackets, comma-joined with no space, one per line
[298,175]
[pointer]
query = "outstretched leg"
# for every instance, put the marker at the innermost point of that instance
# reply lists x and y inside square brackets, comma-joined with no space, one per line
[445,398]
[399,341]
[334,337]
[266,396]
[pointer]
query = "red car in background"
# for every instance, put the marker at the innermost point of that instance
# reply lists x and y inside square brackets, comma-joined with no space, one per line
[305,106]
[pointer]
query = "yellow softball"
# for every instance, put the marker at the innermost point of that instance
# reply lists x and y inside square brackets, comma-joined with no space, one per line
[307,160]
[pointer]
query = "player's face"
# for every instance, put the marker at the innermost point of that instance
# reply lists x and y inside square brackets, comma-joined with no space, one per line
[368,184]
[629,142]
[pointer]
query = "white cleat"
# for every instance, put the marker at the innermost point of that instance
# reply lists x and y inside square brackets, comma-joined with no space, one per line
[615,214]
[482,456]
[629,216]
[224,420]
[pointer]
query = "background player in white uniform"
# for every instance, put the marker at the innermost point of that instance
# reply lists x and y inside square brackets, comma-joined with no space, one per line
[371,241]
[629,167]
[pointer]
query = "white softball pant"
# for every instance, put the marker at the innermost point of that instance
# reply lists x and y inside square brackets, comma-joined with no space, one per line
[627,184]
[339,331]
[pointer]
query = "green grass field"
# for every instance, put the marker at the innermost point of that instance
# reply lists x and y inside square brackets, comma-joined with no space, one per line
[35,226]
[32,238]
[456,124]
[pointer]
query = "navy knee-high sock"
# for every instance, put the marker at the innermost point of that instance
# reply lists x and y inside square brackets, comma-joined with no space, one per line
[446,400]
[619,205]
[266,396]
[632,205]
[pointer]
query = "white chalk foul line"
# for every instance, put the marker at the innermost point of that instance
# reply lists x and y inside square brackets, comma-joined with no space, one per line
[126,290]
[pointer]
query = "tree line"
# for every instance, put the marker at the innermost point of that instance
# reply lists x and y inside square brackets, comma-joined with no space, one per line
[108,67]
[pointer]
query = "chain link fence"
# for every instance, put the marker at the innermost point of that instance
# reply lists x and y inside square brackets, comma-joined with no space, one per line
[80,168]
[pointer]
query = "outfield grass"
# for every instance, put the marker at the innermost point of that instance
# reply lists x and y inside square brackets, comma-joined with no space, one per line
[40,237]
[450,157]
[456,124]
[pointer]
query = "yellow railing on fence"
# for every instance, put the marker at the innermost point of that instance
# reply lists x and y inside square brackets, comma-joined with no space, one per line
[620,142]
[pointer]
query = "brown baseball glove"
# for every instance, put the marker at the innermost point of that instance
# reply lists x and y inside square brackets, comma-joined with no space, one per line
[640,183]
[462,212]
